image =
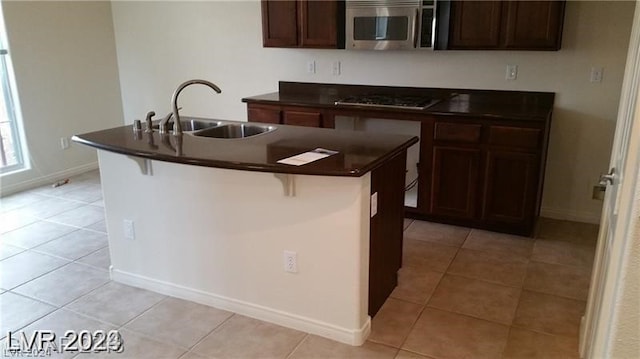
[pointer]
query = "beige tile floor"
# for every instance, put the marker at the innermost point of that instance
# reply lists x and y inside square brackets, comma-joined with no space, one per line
[462,293]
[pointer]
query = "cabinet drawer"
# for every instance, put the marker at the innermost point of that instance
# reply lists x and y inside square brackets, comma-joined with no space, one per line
[308,119]
[514,137]
[457,132]
[263,114]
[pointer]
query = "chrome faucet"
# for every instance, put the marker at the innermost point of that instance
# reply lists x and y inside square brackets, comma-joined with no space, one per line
[177,126]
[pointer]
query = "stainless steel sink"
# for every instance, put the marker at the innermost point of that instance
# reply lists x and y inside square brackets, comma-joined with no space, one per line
[192,125]
[234,130]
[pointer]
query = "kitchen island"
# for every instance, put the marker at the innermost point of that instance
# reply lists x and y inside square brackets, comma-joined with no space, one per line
[217,221]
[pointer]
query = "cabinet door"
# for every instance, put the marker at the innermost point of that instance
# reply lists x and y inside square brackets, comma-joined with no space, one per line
[511,182]
[475,24]
[454,184]
[266,114]
[535,25]
[318,24]
[279,23]
[302,118]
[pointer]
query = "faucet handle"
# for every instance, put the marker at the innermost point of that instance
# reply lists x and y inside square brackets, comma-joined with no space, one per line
[165,122]
[137,125]
[148,120]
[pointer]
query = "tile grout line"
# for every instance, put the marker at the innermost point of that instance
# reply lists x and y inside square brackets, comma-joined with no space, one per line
[65,258]
[143,312]
[38,218]
[413,325]
[211,331]
[50,303]
[84,295]
[41,275]
[562,265]
[35,320]
[214,329]
[298,345]
[507,342]
[92,266]
[188,349]
[543,332]
[45,242]
[468,315]
[424,305]
[486,281]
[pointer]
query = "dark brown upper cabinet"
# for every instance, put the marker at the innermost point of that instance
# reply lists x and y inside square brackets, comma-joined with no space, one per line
[475,24]
[506,25]
[533,25]
[301,23]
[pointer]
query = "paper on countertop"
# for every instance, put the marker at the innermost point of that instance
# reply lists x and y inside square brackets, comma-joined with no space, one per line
[307,157]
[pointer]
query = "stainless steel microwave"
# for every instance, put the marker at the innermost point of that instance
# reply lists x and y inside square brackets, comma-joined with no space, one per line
[390,24]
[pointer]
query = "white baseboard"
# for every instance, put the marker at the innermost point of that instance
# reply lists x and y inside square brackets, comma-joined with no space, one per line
[330,331]
[47,179]
[568,215]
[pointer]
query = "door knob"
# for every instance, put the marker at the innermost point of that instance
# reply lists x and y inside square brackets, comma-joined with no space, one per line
[609,178]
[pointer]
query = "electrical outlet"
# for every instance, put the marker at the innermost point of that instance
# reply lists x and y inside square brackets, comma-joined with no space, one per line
[129,229]
[336,68]
[596,74]
[290,262]
[64,143]
[512,72]
[311,67]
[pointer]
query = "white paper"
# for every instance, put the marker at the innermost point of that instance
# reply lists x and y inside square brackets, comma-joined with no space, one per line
[307,157]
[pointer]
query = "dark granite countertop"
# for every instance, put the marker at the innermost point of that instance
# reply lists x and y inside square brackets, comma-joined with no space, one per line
[517,105]
[359,152]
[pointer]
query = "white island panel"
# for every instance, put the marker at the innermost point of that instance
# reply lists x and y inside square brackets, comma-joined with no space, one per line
[217,237]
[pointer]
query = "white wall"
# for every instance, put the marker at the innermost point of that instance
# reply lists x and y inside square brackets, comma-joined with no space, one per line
[161,44]
[67,80]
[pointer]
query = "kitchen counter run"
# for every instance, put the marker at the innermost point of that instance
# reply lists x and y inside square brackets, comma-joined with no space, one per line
[518,105]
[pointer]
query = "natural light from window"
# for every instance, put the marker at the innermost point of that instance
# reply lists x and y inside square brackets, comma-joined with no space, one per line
[11,153]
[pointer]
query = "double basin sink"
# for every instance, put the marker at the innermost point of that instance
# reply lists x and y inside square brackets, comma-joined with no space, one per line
[220,129]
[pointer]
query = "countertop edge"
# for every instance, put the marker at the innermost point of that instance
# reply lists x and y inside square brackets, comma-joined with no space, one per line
[299,170]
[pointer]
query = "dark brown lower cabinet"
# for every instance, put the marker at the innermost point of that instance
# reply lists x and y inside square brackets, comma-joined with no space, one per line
[287,115]
[483,173]
[265,114]
[302,118]
[511,180]
[474,171]
[455,181]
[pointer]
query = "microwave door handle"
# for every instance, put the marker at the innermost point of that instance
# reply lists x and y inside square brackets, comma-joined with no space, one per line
[416,29]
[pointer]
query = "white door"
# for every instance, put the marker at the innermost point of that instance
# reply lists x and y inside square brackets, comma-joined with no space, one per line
[596,324]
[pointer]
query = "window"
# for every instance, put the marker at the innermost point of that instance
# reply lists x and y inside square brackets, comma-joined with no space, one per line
[11,150]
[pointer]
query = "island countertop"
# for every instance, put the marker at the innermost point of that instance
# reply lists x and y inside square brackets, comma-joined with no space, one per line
[358,152]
